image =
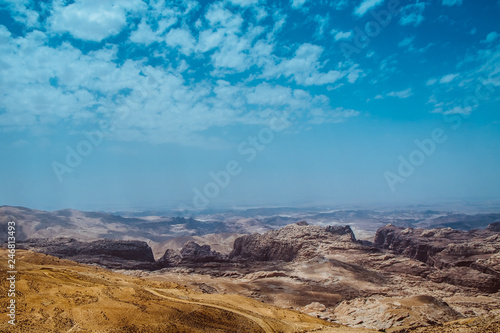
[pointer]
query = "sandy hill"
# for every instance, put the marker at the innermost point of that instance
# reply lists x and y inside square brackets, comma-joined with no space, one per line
[56,295]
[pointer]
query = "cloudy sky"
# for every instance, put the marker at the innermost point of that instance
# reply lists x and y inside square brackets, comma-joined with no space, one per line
[183,104]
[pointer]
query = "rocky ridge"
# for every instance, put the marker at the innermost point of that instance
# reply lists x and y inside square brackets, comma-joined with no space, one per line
[191,253]
[295,241]
[110,253]
[465,258]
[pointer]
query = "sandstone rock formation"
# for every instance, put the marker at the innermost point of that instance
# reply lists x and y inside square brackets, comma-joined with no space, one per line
[467,258]
[494,227]
[109,253]
[381,313]
[191,253]
[293,241]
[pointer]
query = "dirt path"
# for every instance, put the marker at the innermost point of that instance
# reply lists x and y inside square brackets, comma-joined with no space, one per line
[265,326]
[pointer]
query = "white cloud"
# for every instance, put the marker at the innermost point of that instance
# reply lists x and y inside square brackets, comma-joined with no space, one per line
[452,2]
[233,47]
[323,22]
[298,3]
[492,36]
[480,77]
[209,39]
[340,35]
[459,110]
[401,94]
[266,94]
[412,14]
[30,98]
[406,41]
[353,73]
[62,83]
[260,13]
[448,78]
[244,3]
[21,12]
[304,68]
[144,34]
[431,82]
[4,35]
[92,20]
[455,110]
[232,54]
[339,4]
[225,35]
[218,17]
[366,5]
[181,38]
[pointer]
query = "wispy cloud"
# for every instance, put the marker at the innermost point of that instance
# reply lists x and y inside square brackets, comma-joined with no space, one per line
[245,3]
[407,41]
[491,37]
[305,67]
[401,94]
[340,35]
[454,110]
[298,3]
[365,6]
[323,21]
[448,78]
[397,94]
[412,14]
[161,105]
[431,82]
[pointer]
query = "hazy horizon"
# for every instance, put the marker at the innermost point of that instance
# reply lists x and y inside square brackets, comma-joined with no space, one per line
[467,207]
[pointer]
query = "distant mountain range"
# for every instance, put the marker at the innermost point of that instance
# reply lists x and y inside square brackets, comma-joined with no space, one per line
[81,225]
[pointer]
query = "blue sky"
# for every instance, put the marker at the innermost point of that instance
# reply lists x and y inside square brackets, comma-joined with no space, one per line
[183,104]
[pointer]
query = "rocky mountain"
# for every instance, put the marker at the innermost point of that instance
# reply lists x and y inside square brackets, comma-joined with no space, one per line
[461,221]
[382,313]
[222,243]
[85,226]
[466,258]
[495,227]
[291,242]
[108,253]
[191,253]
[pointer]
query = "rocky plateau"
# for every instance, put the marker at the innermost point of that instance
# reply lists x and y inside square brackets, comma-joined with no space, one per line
[405,279]
[423,271]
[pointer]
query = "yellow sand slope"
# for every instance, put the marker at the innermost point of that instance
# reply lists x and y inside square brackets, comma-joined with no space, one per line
[56,295]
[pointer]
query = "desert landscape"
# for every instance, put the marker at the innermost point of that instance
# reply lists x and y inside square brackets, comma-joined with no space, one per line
[420,276]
